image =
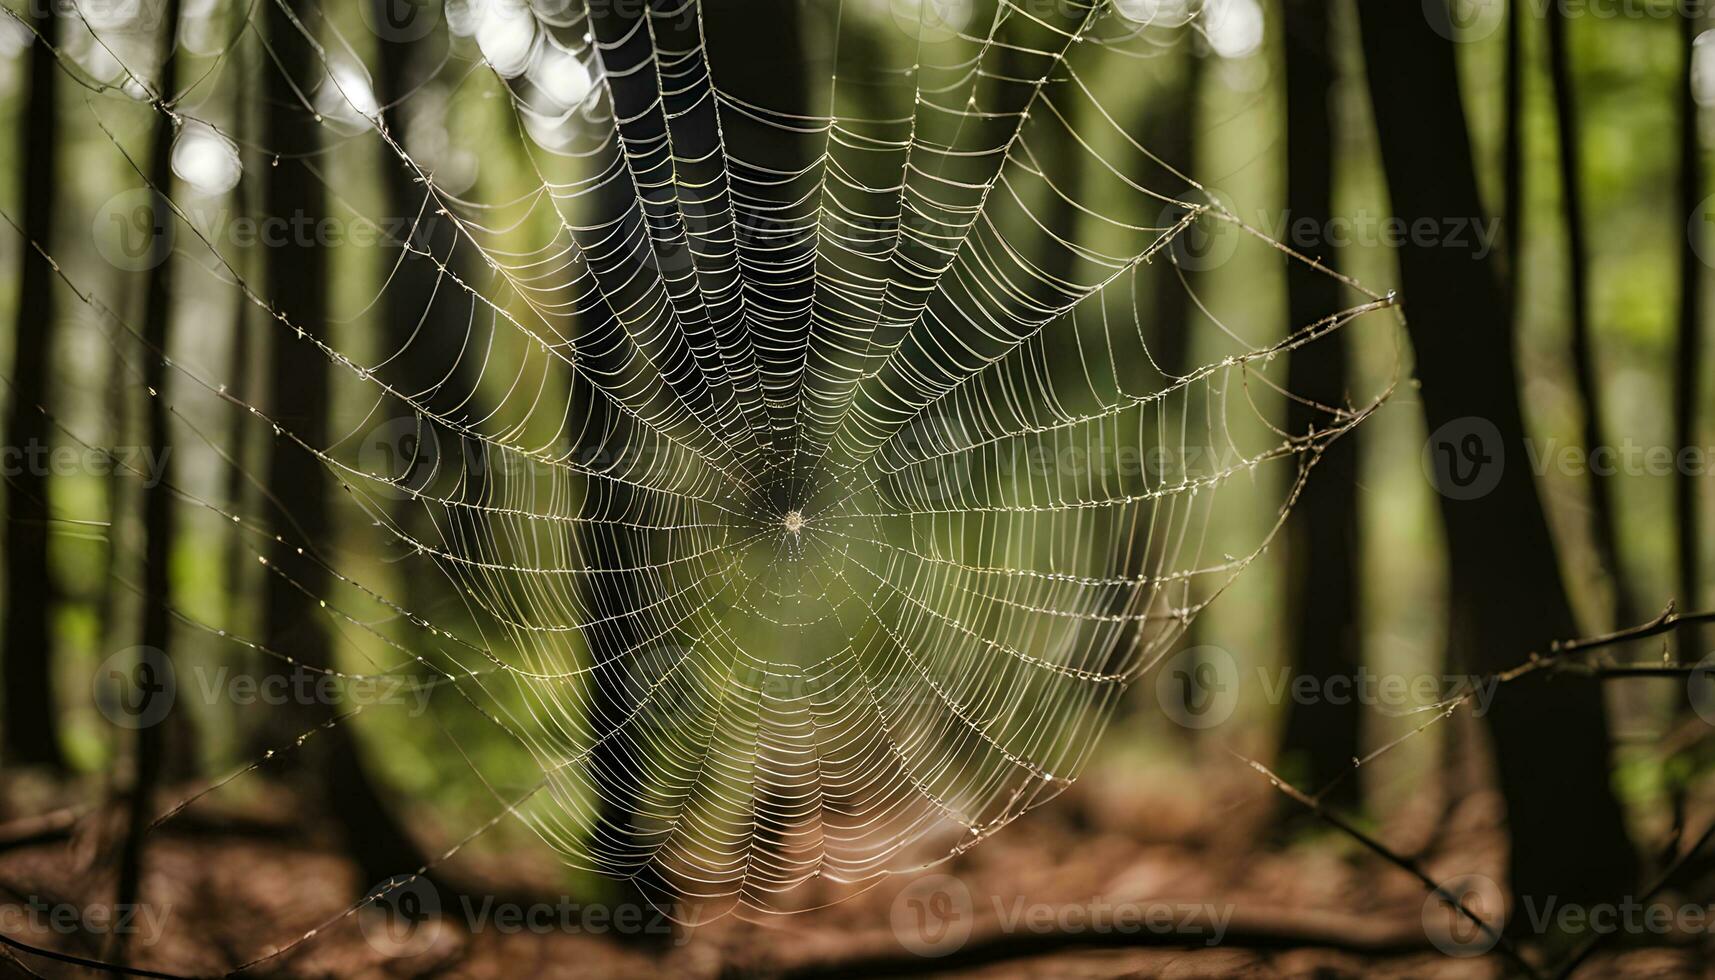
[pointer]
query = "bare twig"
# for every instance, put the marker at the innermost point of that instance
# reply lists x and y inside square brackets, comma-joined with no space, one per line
[1669,620]
[1556,658]
[1388,854]
[1596,939]
[85,962]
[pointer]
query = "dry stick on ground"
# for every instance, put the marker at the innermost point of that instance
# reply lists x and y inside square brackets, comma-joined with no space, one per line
[1249,929]
[82,961]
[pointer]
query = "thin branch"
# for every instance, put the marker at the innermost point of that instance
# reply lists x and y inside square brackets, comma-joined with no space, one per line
[1398,860]
[1589,946]
[1667,622]
[85,962]
[1555,658]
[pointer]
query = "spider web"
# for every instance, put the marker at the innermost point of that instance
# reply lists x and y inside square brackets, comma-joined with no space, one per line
[811,480]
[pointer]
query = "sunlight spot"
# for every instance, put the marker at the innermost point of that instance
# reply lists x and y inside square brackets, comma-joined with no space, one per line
[346,96]
[1162,13]
[561,75]
[506,33]
[1703,68]
[1234,27]
[205,159]
[15,38]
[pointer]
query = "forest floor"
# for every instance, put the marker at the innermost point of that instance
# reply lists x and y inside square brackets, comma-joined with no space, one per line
[1098,883]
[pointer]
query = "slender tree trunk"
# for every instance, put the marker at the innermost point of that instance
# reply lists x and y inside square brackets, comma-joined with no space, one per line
[434,350]
[1175,141]
[1690,366]
[293,623]
[1551,741]
[241,370]
[150,747]
[1687,381]
[427,313]
[1323,548]
[30,733]
[1172,125]
[1604,533]
[1512,157]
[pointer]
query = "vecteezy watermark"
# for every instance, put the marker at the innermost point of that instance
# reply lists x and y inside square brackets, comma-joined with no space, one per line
[401,916]
[925,459]
[405,916]
[1206,237]
[400,21]
[933,20]
[139,686]
[1453,932]
[1464,458]
[103,16]
[1199,237]
[135,231]
[221,685]
[145,921]
[136,687]
[1201,687]
[1464,21]
[1448,926]
[1629,458]
[1389,691]
[404,455]
[41,459]
[935,915]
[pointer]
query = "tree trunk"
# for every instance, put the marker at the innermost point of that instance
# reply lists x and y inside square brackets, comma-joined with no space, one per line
[1689,366]
[30,735]
[151,747]
[1604,533]
[1174,132]
[293,623]
[1551,741]
[1512,157]
[1323,549]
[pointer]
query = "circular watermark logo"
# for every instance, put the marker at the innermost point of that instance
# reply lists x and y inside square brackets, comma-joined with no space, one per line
[133,230]
[933,20]
[1201,239]
[136,687]
[1464,21]
[403,455]
[932,916]
[402,916]
[1700,687]
[1199,687]
[1697,230]
[1463,459]
[1452,931]
[399,20]
[930,467]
